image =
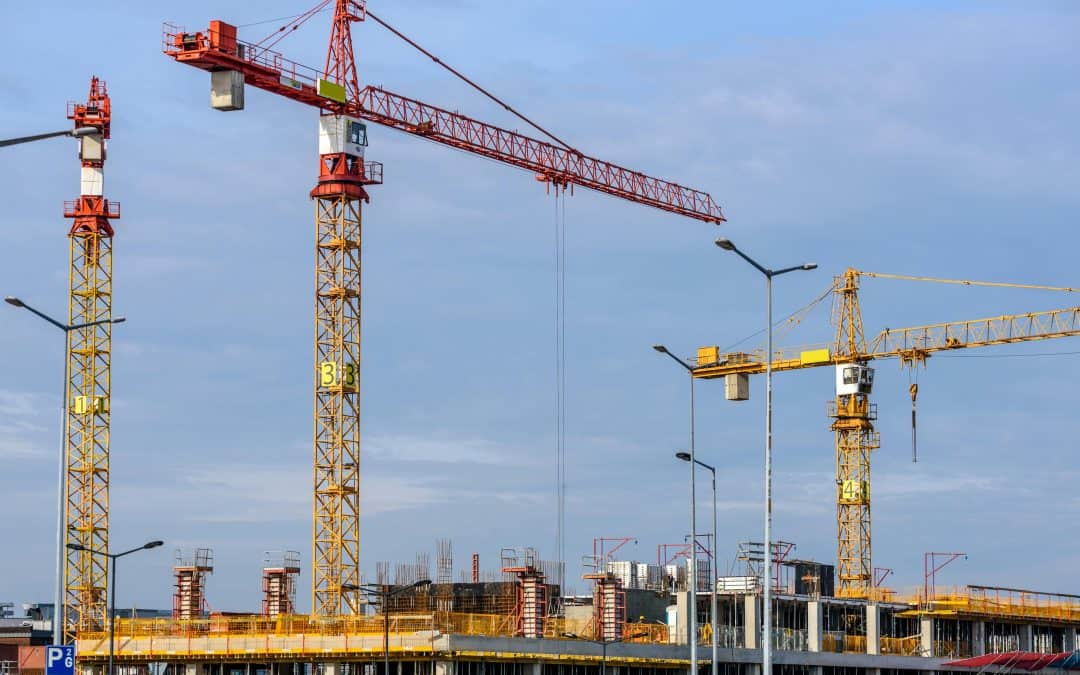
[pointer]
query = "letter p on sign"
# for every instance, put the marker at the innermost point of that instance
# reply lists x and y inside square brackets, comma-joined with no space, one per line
[60,660]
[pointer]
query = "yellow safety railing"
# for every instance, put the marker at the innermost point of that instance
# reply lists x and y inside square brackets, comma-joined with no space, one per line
[855,644]
[997,602]
[905,646]
[460,623]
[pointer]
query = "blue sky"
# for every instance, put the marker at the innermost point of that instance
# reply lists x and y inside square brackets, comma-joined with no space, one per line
[900,137]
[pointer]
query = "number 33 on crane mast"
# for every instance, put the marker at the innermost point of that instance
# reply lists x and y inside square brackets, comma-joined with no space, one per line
[329,375]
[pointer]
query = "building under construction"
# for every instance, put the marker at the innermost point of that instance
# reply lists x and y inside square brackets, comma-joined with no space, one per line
[513,622]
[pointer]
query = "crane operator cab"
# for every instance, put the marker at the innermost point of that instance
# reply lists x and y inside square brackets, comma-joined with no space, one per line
[854,378]
[342,134]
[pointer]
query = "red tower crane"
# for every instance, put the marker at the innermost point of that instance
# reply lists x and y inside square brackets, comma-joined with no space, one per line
[344,177]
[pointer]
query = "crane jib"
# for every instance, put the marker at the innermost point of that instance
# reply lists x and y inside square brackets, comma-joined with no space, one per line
[218,50]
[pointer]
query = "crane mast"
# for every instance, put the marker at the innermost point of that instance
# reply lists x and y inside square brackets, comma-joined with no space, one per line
[89,357]
[339,194]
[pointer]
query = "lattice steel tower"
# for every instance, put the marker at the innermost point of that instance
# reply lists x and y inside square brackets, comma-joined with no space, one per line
[89,387]
[338,196]
[853,424]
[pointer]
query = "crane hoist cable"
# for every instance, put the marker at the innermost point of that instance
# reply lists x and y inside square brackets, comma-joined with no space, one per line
[560,380]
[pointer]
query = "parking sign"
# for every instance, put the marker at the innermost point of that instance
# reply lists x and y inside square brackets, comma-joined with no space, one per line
[60,660]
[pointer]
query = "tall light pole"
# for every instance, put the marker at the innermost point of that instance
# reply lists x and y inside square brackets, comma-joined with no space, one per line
[72,133]
[766,642]
[685,456]
[691,630]
[112,586]
[61,510]
[603,646]
[384,592]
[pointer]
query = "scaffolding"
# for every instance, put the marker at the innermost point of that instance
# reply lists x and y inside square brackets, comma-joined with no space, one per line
[190,571]
[280,572]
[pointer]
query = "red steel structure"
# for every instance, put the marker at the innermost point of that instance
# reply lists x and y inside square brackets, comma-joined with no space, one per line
[339,192]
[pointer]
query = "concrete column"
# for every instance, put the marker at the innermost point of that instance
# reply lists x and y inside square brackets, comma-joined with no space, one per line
[751,622]
[444,668]
[873,630]
[926,633]
[754,668]
[1070,639]
[814,622]
[682,617]
[534,668]
[331,669]
[194,669]
[1026,637]
[978,638]
[816,670]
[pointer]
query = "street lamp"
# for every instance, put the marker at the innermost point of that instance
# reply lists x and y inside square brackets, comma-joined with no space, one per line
[766,643]
[73,133]
[384,593]
[58,591]
[112,585]
[691,620]
[685,456]
[603,646]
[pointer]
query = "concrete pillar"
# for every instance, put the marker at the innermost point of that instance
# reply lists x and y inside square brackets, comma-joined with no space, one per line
[1070,639]
[1026,637]
[751,622]
[754,668]
[816,670]
[194,669]
[444,668]
[331,669]
[814,622]
[682,617]
[533,668]
[978,638]
[873,630]
[926,633]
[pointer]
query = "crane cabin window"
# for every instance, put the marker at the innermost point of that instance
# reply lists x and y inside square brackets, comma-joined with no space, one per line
[851,375]
[357,133]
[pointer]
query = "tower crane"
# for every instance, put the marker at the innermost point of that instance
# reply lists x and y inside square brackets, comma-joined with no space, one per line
[852,412]
[343,181]
[88,381]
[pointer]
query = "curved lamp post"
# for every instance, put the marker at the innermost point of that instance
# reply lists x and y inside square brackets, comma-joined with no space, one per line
[112,585]
[58,591]
[766,642]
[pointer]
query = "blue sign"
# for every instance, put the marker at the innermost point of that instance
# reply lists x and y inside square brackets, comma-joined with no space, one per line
[60,660]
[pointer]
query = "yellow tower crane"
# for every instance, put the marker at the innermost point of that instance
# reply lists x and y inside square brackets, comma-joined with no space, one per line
[852,412]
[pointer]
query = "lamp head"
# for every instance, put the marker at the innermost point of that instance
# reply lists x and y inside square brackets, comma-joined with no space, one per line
[660,348]
[725,244]
[810,266]
[422,582]
[684,456]
[153,544]
[76,547]
[119,319]
[571,636]
[85,131]
[13,301]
